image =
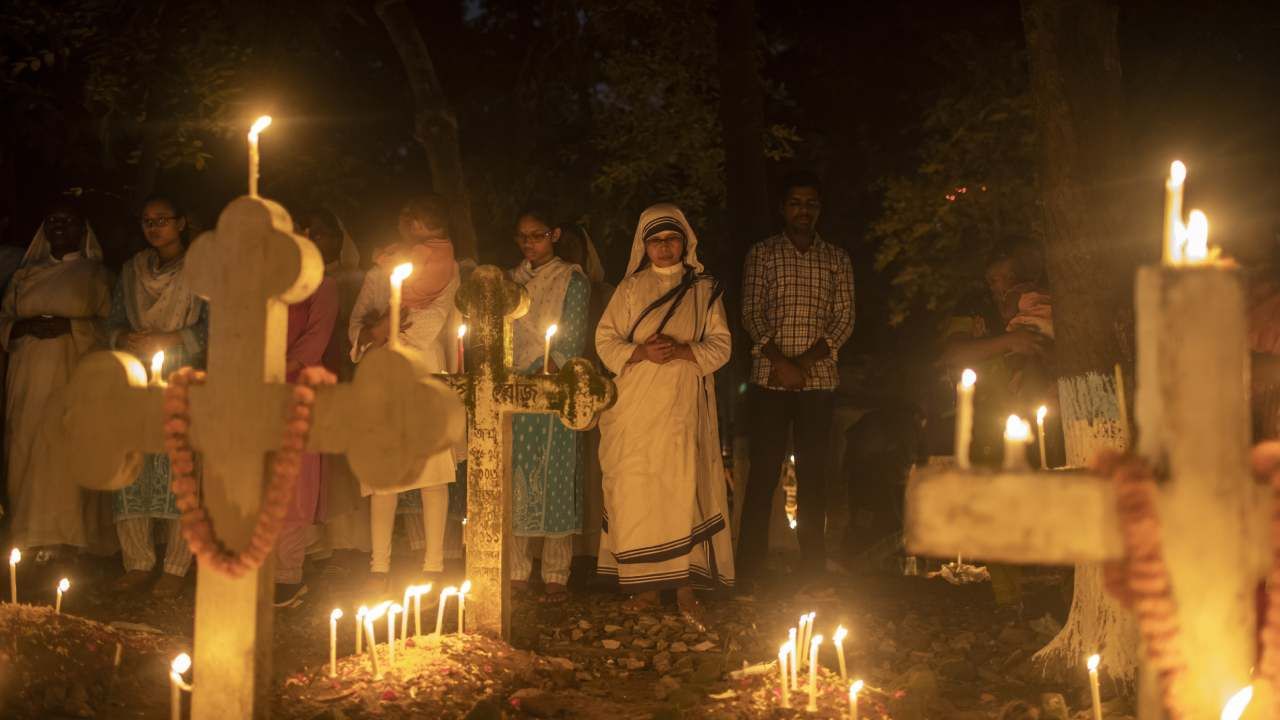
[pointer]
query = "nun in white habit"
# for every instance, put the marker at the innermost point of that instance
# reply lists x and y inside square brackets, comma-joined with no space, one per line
[664,335]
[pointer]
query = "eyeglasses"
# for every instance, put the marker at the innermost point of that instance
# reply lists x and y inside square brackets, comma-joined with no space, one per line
[534,236]
[159,221]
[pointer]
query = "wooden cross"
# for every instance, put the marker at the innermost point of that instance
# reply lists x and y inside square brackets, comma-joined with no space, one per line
[1193,416]
[388,422]
[578,394]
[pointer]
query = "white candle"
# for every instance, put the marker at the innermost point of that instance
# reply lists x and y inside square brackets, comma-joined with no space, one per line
[444,599]
[180,665]
[462,603]
[804,635]
[258,126]
[417,608]
[1235,707]
[784,699]
[1172,254]
[795,663]
[398,275]
[813,673]
[546,352]
[360,615]
[854,689]
[1041,413]
[375,613]
[1196,250]
[1017,433]
[63,586]
[838,639]
[462,348]
[391,634]
[964,417]
[1093,686]
[333,641]
[157,367]
[15,557]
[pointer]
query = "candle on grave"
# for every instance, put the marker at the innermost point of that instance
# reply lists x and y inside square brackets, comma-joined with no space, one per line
[838,639]
[375,613]
[1236,706]
[360,614]
[1092,664]
[180,665]
[1041,413]
[63,586]
[804,635]
[417,608]
[1172,254]
[15,557]
[546,351]
[392,611]
[462,603]
[964,417]
[258,126]
[784,699]
[1196,250]
[157,367]
[795,663]
[813,673]
[333,641]
[444,600]
[462,348]
[1017,433]
[398,275]
[854,689]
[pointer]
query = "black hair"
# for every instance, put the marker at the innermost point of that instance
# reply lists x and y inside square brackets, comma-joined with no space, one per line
[799,178]
[433,209]
[539,213]
[178,211]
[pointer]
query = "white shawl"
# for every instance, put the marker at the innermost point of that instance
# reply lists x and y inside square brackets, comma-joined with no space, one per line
[547,286]
[155,297]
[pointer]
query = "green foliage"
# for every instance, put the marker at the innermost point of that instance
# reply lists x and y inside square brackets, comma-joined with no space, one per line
[973,191]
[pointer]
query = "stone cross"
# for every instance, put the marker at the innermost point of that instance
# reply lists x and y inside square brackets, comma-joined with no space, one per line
[578,394]
[388,422]
[1192,413]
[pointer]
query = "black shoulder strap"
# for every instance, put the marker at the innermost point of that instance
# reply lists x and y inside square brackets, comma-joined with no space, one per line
[674,296]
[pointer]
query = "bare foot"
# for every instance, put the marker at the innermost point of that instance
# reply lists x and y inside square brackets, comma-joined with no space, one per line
[642,601]
[689,606]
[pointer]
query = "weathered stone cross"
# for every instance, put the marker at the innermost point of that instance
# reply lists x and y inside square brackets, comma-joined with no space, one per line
[1193,416]
[388,422]
[578,394]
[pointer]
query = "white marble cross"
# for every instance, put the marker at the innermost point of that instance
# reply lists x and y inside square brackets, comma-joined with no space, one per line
[1193,419]
[388,422]
[493,393]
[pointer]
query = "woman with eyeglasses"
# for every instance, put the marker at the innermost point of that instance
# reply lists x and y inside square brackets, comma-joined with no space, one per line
[154,311]
[50,317]
[546,458]
[664,334]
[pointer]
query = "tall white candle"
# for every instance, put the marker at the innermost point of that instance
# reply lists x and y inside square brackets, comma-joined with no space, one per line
[462,604]
[813,672]
[854,689]
[462,348]
[417,608]
[1196,250]
[63,586]
[258,126]
[375,613]
[391,634]
[804,635]
[15,557]
[333,641]
[784,699]
[180,665]
[546,351]
[157,367]
[1041,413]
[838,639]
[1093,686]
[398,275]
[1017,433]
[795,661]
[1236,706]
[1172,254]
[360,615]
[964,417]
[444,600]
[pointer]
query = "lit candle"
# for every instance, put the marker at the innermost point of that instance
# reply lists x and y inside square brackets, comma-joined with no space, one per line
[838,639]
[462,603]
[1235,707]
[417,607]
[374,613]
[15,557]
[180,665]
[258,126]
[1173,212]
[1093,686]
[333,641]
[398,275]
[795,663]
[462,348]
[785,698]
[1041,413]
[63,586]
[444,599]
[546,352]
[360,614]
[1017,433]
[1196,250]
[854,689]
[964,417]
[391,634]
[804,634]
[813,673]
[157,367]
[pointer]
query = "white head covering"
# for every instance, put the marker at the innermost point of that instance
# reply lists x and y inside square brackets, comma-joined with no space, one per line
[594,269]
[663,212]
[349,255]
[40,251]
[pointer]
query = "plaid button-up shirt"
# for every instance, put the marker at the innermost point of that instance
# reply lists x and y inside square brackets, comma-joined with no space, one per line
[794,299]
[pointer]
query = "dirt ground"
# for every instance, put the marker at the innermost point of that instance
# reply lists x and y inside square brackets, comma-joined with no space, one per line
[925,649]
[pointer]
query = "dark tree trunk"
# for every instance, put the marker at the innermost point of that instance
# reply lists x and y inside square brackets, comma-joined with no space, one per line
[742,122]
[435,124]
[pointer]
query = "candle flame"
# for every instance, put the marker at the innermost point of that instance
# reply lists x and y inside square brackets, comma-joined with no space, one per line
[364,610]
[968,378]
[551,330]
[1041,413]
[462,331]
[856,687]
[1017,429]
[157,363]
[335,615]
[1093,662]
[401,271]
[181,664]
[466,587]
[262,123]
[64,585]
[1236,705]
[15,556]
[377,611]
[451,590]
[1196,249]
[840,634]
[816,641]
[1177,173]
[395,609]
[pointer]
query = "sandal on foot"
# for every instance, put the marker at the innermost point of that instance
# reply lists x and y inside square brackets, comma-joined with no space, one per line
[639,604]
[131,580]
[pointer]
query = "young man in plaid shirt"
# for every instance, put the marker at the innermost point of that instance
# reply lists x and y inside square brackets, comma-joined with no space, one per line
[797,305]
